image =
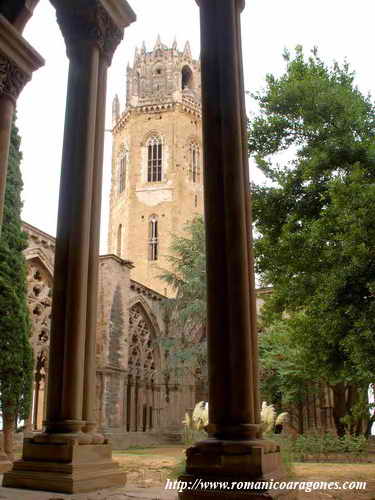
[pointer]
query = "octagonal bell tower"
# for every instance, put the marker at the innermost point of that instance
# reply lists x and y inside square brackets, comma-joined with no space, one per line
[157,178]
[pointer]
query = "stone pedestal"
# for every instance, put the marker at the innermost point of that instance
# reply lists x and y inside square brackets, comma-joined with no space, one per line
[233,462]
[65,468]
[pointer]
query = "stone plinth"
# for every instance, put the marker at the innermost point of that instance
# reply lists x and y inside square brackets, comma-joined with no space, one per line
[231,462]
[65,468]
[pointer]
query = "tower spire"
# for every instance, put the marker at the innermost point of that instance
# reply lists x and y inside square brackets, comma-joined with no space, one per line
[187,49]
[158,44]
[136,54]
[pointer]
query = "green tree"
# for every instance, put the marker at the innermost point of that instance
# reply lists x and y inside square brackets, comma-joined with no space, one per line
[186,313]
[16,360]
[315,222]
[285,374]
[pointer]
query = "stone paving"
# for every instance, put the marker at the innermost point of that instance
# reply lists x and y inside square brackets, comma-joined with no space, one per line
[126,493]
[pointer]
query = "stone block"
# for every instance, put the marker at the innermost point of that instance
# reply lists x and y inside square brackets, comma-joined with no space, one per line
[65,468]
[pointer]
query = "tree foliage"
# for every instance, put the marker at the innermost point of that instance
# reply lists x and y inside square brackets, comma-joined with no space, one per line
[315,221]
[186,342]
[16,360]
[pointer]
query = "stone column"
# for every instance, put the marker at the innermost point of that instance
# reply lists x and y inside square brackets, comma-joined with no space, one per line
[89,403]
[92,30]
[18,60]
[68,328]
[234,450]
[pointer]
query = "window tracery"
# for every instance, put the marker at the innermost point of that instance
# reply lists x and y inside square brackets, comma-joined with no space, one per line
[141,361]
[122,174]
[153,244]
[119,240]
[155,159]
[40,304]
[39,295]
[195,169]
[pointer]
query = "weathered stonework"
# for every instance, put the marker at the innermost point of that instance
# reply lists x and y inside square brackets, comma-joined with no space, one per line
[163,104]
[135,404]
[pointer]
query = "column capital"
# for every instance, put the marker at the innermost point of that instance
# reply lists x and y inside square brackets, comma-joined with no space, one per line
[18,60]
[241,3]
[99,22]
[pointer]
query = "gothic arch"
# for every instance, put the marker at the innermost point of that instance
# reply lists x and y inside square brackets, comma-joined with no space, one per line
[39,296]
[143,367]
[187,78]
[40,256]
[143,319]
[149,135]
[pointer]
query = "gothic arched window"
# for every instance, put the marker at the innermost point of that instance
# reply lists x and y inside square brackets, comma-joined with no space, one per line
[142,371]
[122,174]
[187,78]
[155,159]
[153,242]
[195,169]
[119,240]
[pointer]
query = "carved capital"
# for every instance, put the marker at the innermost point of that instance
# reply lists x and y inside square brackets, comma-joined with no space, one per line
[12,78]
[89,25]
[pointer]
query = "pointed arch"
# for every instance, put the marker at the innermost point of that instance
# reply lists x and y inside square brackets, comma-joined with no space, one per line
[154,159]
[187,79]
[143,368]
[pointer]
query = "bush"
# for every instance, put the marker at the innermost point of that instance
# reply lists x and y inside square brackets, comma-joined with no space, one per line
[321,446]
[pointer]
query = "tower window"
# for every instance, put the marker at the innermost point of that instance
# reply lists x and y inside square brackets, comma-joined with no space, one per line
[155,160]
[153,238]
[195,169]
[187,78]
[122,175]
[119,240]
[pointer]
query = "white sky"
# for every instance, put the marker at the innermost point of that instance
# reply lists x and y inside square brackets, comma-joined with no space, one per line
[340,28]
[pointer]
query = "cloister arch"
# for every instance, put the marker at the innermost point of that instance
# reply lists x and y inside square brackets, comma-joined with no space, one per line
[39,297]
[143,369]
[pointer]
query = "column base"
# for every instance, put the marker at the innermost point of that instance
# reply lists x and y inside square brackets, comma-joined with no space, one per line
[232,462]
[65,468]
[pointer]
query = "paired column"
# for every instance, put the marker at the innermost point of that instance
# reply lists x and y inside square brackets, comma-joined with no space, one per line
[91,37]
[234,450]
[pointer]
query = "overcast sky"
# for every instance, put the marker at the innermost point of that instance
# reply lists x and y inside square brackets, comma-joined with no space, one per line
[340,28]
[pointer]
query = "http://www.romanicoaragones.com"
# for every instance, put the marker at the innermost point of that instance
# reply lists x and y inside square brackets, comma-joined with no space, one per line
[306,486]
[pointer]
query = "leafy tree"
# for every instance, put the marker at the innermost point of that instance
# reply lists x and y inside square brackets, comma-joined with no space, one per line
[16,360]
[315,222]
[285,374]
[186,313]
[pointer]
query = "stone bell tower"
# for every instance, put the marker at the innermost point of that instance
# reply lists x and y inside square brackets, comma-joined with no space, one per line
[157,178]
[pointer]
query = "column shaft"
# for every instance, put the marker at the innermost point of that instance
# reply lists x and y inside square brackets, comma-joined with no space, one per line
[232,370]
[89,403]
[68,329]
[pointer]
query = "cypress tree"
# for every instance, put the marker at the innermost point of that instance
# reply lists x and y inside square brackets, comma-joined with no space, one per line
[16,359]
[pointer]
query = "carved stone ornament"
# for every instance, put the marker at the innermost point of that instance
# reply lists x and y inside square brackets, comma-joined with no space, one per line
[12,79]
[90,24]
